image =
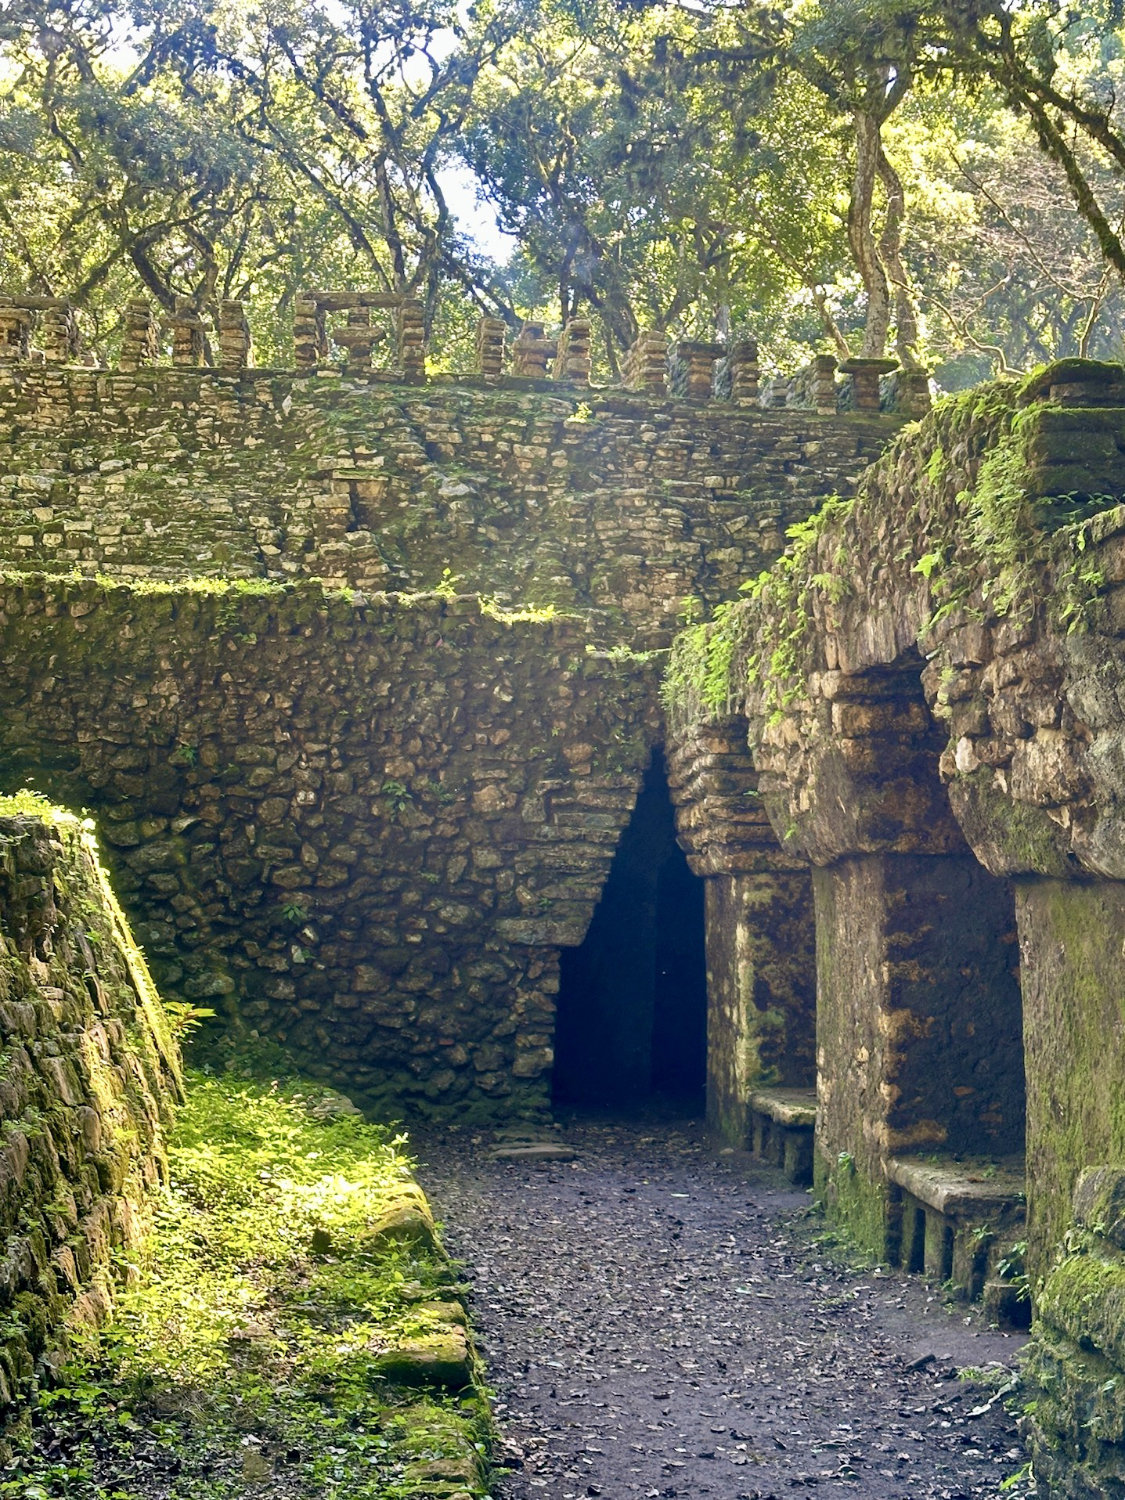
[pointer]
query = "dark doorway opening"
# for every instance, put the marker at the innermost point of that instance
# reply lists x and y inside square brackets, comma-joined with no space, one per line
[632,1012]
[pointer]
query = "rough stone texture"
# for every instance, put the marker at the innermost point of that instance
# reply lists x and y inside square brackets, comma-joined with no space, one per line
[87,1074]
[761,1012]
[938,671]
[1072,934]
[363,828]
[1076,1428]
[183,473]
[761,992]
[367,827]
[918,1017]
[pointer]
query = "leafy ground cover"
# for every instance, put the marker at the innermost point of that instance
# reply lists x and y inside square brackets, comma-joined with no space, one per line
[291,1269]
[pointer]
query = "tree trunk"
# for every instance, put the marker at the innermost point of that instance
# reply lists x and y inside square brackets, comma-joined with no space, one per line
[890,254]
[861,237]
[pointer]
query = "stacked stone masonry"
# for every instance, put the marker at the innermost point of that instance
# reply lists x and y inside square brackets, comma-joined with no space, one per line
[939,733]
[362,811]
[87,1075]
[363,828]
[627,505]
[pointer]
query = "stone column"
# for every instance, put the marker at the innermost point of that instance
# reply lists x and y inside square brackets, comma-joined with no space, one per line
[140,336]
[357,338]
[234,338]
[188,330]
[918,1007]
[58,331]
[918,1004]
[15,332]
[915,399]
[699,357]
[759,926]
[744,372]
[646,364]
[572,362]
[310,332]
[532,352]
[824,385]
[1072,936]
[410,326]
[491,335]
[865,375]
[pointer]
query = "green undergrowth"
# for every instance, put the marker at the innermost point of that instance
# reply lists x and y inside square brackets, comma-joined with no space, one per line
[244,1352]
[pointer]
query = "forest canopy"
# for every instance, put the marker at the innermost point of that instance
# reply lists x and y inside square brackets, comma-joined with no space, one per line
[945,183]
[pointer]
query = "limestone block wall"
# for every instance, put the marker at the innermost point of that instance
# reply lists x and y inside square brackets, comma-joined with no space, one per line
[87,1075]
[582,498]
[362,828]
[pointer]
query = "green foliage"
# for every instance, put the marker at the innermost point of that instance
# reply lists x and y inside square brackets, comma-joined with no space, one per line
[27,803]
[397,794]
[711,664]
[185,1018]
[1012,1267]
[219,151]
[244,1346]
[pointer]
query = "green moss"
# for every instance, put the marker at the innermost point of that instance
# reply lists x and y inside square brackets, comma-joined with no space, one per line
[1083,1297]
[854,1202]
[765,640]
[266,1320]
[1068,372]
[1024,837]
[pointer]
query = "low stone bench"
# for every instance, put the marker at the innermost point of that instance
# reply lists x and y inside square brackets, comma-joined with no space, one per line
[781,1130]
[955,1219]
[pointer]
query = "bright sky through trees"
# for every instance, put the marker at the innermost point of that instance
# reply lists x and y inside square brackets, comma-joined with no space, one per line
[851,174]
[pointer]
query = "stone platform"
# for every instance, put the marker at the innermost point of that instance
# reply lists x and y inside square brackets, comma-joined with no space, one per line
[782,1124]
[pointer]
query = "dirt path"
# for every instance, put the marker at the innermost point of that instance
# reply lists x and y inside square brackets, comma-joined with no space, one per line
[659,1321]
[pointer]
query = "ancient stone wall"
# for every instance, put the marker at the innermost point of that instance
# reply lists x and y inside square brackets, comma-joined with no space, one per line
[364,829]
[759,925]
[933,685]
[87,1074]
[524,492]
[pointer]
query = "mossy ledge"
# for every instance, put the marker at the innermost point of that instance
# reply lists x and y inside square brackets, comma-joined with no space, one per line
[983,510]
[293,1322]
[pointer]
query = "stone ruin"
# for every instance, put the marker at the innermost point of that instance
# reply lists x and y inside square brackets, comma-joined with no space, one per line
[361,679]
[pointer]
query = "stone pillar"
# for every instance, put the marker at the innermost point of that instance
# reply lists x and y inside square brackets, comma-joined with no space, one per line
[532,352]
[572,362]
[915,399]
[646,364]
[918,1006]
[188,330]
[410,328]
[58,331]
[491,335]
[357,338]
[1072,937]
[761,995]
[234,338]
[865,375]
[1075,1363]
[140,336]
[775,392]
[744,372]
[824,385]
[699,358]
[310,332]
[15,332]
